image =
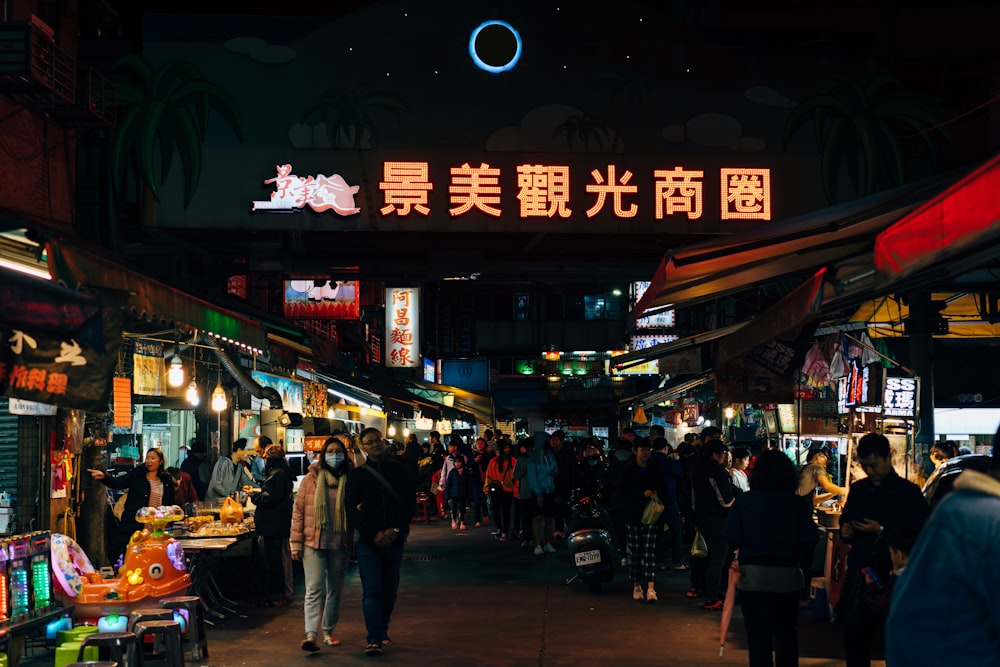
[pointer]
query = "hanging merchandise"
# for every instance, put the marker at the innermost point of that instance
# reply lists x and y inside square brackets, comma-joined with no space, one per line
[639,417]
[816,368]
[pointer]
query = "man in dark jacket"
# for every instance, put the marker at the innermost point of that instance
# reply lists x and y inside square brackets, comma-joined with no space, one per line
[713,496]
[380,499]
[881,502]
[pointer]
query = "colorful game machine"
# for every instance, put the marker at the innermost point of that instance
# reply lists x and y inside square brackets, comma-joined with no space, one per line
[18,579]
[154,568]
[4,583]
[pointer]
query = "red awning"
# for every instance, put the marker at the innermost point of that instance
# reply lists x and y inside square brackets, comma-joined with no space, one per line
[962,219]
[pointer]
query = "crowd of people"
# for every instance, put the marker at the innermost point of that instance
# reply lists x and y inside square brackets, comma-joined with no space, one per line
[719,503]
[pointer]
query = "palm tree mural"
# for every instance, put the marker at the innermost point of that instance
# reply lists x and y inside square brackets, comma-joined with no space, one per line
[162,112]
[867,129]
[584,128]
[351,115]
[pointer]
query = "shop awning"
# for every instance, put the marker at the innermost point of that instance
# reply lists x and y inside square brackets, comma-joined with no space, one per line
[672,390]
[968,315]
[479,406]
[666,349]
[732,264]
[345,391]
[396,398]
[963,219]
[40,306]
[150,297]
[798,307]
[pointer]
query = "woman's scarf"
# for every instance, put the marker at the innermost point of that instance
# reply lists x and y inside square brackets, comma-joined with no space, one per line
[325,479]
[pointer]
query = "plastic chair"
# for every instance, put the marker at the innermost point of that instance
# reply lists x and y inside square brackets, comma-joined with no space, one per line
[120,647]
[197,639]
[166,634]
[423,508]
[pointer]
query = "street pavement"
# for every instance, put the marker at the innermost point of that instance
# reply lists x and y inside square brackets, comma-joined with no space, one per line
[467,599]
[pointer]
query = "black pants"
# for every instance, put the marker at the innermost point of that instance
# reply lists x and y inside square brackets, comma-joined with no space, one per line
[275,570]
[501,510]
[863,626]
[713,529]
[771,621]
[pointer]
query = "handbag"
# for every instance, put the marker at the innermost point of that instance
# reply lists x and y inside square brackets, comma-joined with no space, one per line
[699,548]
[654,508]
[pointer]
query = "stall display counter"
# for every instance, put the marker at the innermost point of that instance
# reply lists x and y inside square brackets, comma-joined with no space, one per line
[203,556]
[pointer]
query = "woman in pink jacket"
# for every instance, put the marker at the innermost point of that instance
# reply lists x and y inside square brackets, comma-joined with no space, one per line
[321,538]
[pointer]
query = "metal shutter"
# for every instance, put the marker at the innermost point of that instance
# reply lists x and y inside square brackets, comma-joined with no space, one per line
[8,449]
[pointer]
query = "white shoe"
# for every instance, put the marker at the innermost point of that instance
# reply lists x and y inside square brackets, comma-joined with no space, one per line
[650,595]
[637,593]
[549,549]
[454,525]
[538,550]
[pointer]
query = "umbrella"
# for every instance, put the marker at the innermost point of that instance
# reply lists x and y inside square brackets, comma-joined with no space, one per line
[729,603]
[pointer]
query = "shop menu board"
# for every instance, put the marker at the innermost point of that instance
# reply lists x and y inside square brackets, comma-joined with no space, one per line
[787,421]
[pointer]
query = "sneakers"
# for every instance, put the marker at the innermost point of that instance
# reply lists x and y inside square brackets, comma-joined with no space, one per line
[713,606]
[330,640]
[454,525]
[463,527]
[309,644]
[650,595]
[373,650]
[637,593]
[681,567]
[549,549]
[538,550]
[503,537]
[477,524]
[525,544]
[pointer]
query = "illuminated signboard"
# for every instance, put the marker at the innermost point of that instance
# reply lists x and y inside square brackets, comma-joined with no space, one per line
[899,395]
[644,342]
[321,300]
[543,191]
[290,391]
[430,370]
[665,319]
[402,327]
[320,193]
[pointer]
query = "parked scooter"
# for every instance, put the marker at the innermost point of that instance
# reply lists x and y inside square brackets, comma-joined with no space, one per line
[590,543]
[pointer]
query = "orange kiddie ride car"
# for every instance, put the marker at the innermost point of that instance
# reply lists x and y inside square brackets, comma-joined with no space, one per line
[154,568]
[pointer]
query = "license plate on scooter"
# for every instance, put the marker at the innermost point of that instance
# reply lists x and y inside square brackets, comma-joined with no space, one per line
[588,557]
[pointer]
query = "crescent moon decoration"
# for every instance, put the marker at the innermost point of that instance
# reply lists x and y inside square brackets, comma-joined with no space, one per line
[495,46]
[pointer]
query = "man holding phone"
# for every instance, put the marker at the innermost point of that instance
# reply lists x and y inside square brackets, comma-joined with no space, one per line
[880,502]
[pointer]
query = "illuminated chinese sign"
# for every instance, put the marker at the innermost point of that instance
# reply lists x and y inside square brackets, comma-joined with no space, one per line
[321,300]
[664,319]
[402,327]
[644,342]
[543,191]
[899,394]
[320,193]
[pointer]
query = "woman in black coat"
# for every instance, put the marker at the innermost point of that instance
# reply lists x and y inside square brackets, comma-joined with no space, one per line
[273,519]
[147,485]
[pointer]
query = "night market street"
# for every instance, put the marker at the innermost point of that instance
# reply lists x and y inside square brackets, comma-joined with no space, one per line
[466,599]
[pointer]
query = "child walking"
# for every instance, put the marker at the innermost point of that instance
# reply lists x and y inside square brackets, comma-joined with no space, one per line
[457,488]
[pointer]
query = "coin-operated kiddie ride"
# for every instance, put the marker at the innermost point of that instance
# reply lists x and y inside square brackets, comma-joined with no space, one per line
[153,568]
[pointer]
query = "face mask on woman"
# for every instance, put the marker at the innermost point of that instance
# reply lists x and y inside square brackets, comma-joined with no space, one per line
[334,460]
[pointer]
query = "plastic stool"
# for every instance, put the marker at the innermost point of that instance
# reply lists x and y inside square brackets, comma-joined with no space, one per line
[68,652]
[120,647]
[148,614]
[423,509]
[197,639]
[75,634]
[168,635]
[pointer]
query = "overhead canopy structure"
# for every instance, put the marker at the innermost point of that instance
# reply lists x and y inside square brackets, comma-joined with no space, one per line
[735,263]
[75,266]
[672,390]
[968,315]
[666,349]
[478,406]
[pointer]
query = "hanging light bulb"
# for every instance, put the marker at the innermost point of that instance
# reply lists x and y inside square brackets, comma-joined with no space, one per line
[406,432]
[192,393]
[175,375]
[219,401]
[392,431]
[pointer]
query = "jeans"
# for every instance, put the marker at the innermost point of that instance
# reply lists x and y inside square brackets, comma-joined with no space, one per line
[379,572]
[324,570]
[771,620]
[479,507]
